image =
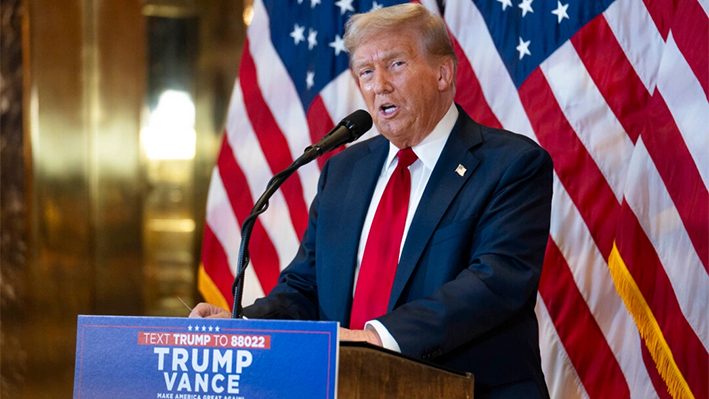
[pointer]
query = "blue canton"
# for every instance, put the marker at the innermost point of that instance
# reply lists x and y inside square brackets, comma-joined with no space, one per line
[307,35]
[526,32]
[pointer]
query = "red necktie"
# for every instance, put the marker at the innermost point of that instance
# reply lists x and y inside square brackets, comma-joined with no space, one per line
[381,254]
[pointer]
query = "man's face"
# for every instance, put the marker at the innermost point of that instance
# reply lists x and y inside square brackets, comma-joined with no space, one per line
[403,90]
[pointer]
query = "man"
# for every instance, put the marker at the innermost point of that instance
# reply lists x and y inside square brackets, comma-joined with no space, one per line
[468,234]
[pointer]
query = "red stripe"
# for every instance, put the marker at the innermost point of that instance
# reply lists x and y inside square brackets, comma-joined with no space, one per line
[216,263]
[650,276]
[320,123]
[626,95]
[263,256]
[657,381]
[578,330]
[469,94]
[680,174]
[613,74]
[690,30]
[662,12]
[576,169]
[273,142]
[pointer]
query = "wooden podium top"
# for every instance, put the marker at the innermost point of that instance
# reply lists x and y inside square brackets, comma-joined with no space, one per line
[369,372]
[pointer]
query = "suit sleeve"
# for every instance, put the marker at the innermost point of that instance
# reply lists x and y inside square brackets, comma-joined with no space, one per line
[295,295]
[502,276]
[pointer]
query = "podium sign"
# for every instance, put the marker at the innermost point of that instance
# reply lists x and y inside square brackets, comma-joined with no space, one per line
[181,358]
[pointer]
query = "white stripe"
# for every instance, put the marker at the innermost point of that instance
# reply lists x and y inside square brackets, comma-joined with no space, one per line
[595,284]
[561,377]
[705,6]
[638,37]
[588,114]
[282,98]
[647,196]
[252,162]
[220,218]
[341,97]
[686,101]
[468,26]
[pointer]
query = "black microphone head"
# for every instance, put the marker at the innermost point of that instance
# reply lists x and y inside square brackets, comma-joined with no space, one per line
[358,122]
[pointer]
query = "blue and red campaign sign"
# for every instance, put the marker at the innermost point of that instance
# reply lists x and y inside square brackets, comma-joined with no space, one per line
[181,358]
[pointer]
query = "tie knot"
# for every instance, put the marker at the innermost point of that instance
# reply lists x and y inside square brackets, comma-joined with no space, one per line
[406,157]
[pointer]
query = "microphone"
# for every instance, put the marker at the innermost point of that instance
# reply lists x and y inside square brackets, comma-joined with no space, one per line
[348,130]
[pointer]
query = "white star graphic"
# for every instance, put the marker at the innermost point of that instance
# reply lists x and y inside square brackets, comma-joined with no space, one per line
[204,328]
[216,328]
[211,328]
[312,41]
[376,6]
[560,11]
[310,80]
[313,3]
[526,6]
[505,4]
[338,45]
[298,34]
[345,5]
[189,328]
[523,48]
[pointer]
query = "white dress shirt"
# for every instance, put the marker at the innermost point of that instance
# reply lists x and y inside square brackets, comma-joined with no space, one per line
[428,152]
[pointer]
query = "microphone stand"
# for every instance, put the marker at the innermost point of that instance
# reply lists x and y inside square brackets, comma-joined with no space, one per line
[260,207]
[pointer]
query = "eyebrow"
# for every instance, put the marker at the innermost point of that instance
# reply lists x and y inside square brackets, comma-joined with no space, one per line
[386,55]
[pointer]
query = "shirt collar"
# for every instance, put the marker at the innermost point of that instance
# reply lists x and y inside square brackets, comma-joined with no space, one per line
[431,147]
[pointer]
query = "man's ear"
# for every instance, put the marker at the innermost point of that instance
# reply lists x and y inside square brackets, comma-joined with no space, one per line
[446,72]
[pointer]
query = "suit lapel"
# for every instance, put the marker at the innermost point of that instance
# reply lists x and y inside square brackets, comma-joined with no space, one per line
[363,179]
[443,185]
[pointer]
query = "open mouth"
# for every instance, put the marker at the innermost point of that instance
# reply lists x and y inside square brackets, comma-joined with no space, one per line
[388,109]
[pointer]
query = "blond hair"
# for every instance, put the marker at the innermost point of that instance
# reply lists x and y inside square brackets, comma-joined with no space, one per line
[414,16]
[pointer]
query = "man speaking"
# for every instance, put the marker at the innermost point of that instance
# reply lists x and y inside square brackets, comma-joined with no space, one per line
[429,239]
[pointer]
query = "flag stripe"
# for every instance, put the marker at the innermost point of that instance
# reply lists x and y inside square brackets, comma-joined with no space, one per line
[646,270]
[657,381]
[216,265]
[561,377]
[577,328]
[272,142]
[281,96]
[690,197]
[589,116]
[470,30]
[649,328]
[265,259]
[687,104]
[690,30]
[663,227]
[594,198]
[680,175]
[469,94]
[639,38]
[595,284]
[319,123]
[613,75]
[254,167]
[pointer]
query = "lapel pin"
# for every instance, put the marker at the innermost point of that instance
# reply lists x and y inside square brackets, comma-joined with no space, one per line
[461,170]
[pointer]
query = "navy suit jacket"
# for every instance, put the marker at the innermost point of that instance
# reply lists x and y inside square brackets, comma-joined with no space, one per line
[465,287]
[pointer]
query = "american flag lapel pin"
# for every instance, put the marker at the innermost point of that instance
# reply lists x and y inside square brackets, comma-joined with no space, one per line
[461,170]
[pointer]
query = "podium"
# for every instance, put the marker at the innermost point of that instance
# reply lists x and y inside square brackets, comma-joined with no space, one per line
[180,358]
[369,372]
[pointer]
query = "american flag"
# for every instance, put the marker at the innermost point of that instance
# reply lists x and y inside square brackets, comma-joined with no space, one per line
[616,91]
